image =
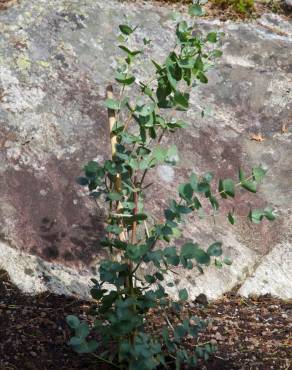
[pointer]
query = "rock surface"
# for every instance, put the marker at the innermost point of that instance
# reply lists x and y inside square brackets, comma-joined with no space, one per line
[56,59]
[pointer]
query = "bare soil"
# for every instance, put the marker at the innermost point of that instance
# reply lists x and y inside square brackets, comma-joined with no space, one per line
[252,333]
[212,8]
[224,12]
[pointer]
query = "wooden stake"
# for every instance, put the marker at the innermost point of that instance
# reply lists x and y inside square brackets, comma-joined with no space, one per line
[112,121]
[113,138]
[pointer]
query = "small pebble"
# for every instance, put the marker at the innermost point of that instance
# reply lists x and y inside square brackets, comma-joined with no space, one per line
[218,336]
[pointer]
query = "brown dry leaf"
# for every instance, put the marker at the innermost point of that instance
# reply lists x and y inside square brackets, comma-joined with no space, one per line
[2,94]
[257,137]
[274,30]
[5,4]
[218,336]
[284,128]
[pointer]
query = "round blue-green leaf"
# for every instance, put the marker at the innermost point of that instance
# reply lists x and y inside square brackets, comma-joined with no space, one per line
[83,181]
[75,341]
[114,196]
[227,261]
[188,250]
[269,214]
[83,330]
[195,10]
[212,37]
[124,78]
[256,215]
[202,77]
[218,264]
[231,218]
[186,191]
[217,53]
[85,348]
[258,174]
[215,249]
[150,279]
[249,185]
[226,187]
[112,104]
[73,321]
[114,229]
[201,256]
[159,275]
[126,30]
[181,99]
[92,345]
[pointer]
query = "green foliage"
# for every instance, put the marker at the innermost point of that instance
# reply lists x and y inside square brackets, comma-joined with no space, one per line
[239,6]
[243,6]
[124,297]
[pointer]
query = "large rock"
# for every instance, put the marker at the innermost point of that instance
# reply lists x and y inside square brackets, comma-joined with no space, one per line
[56,59]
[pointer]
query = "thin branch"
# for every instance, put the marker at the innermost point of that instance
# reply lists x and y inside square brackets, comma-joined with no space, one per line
[106,361]
[168,321]
[236,185]
[145,171]
[146,229]
[128,121]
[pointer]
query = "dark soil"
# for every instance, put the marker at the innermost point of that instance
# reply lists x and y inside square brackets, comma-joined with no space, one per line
[213,8]
[250,333]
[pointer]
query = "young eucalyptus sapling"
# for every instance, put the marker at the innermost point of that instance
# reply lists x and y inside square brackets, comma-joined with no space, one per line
[140,114]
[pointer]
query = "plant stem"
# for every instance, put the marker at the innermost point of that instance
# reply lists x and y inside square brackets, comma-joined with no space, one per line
[131,278]
[135,211]
[236,185]
[145,172]
[168,321]
[106,361]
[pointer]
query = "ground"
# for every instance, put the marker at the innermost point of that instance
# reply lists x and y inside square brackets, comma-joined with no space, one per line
[220,10]
[252,333]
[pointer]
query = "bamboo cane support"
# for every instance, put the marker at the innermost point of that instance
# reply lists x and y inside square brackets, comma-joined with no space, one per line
[113,139]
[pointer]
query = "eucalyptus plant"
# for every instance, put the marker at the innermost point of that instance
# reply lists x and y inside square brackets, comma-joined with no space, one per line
[140,114]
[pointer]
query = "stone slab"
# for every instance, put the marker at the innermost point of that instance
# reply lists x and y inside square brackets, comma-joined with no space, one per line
[56,58]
